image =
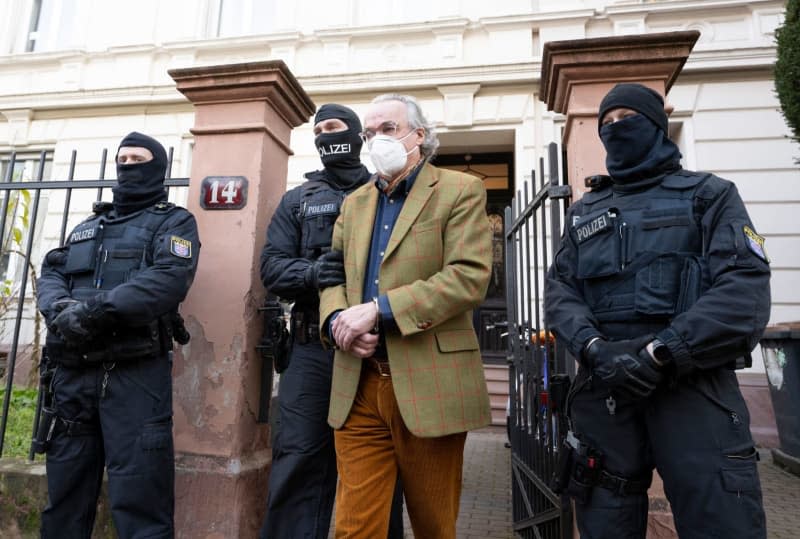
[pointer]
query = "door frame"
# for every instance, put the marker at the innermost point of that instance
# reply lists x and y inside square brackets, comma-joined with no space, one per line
[490,318]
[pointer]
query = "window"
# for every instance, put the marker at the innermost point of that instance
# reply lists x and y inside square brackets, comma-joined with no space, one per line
[246,17]
[26,167]
[52,25]
[17,219]
[369,13]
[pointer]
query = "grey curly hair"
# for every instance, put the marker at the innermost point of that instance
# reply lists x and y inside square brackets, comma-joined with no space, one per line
[416,120]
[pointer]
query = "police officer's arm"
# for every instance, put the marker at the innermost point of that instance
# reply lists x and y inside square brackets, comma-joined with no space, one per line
[729,318]
[52,286]
[566,310]
[333,300]
[157,289]
[282,267]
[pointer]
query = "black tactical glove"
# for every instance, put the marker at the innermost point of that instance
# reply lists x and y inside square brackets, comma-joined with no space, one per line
[625,365]
[55,308]
[76,324]
[327,270]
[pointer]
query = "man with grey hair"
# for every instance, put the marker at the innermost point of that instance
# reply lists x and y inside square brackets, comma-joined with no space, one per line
[408,378]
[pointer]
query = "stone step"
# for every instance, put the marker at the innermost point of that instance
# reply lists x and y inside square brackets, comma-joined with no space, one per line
[497,385]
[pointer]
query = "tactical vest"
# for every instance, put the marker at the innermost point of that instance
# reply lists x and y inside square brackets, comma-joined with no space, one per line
[105,253]
[319,207]
[640,255]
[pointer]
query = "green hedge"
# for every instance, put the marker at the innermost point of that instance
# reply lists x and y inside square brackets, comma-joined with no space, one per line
[20,421]
[787,67]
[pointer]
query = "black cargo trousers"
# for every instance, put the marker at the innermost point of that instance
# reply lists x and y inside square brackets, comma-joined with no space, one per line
[695,432]
[117,416]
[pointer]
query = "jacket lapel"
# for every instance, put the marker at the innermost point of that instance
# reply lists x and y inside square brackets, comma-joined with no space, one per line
[364,207]
[417,198]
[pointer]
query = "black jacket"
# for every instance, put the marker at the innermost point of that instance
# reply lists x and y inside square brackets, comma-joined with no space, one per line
[300,231]
[678,258]
[133,270]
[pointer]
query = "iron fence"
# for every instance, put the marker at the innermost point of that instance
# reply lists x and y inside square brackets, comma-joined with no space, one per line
[19,221]
[538,370]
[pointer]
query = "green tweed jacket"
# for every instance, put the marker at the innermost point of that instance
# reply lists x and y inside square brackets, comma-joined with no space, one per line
[435,271]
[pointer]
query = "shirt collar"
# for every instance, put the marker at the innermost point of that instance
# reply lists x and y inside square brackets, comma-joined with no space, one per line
[405,184]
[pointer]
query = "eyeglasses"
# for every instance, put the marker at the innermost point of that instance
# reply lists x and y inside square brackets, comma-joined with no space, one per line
[386,128]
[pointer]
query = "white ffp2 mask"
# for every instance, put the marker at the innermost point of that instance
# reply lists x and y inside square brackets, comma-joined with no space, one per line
[388,154]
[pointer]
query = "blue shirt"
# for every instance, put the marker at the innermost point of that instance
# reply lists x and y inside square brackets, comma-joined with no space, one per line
[389,207]
[388,211]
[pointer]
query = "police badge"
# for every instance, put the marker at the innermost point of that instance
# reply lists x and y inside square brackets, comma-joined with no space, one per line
[756,243]
[180,247]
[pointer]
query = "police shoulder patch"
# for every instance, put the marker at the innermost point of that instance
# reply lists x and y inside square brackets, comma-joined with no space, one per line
[180,247]
[755,243]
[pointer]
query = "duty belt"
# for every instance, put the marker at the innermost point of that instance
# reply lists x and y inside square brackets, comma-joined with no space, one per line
[304,332]
[620,485]
[73,428]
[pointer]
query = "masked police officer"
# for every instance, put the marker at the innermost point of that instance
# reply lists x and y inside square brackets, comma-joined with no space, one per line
[110,299]
[295,264]
[661,289]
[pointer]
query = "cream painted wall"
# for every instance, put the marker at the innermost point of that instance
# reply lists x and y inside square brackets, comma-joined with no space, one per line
[474,65]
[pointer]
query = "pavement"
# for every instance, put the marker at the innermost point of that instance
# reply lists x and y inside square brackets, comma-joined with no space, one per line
[486,494]
[781,498]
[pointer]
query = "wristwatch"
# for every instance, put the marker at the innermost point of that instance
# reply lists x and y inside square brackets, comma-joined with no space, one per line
[661,354]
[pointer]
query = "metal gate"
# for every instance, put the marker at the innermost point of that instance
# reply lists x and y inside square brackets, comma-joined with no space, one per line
[538,370]
[21,222]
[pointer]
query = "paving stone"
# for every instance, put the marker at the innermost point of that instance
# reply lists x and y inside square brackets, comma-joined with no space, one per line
[485,511]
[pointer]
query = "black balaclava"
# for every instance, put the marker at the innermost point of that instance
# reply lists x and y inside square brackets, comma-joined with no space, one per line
[340,152]
[140,185]
[637,147]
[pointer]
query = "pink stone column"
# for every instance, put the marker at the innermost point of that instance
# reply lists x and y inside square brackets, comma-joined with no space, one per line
[244,115]
[576,74]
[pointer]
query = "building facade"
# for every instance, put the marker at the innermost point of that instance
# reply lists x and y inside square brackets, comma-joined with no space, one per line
[79,74]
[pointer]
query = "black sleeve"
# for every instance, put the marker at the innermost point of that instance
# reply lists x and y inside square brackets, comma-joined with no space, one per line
[160,287]
[52,284]
[729,318]
[566,310]
[282,267]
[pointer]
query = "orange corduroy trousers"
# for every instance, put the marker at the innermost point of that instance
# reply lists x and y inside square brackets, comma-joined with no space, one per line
[372,447]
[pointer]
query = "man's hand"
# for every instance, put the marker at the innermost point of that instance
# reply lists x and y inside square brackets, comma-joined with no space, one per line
[352,323]
[364,346]
[625,365]
[74,324]
[325,271]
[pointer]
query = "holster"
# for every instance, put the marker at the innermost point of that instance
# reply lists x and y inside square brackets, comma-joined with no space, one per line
[579,469]
[276,339]
[45,414]
[44,433]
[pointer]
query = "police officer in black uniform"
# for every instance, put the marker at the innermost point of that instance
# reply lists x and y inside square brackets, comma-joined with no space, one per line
[660,289]
[110,299]
[295,264]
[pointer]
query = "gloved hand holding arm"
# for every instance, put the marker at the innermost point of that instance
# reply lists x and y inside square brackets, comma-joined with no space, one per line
[326,271]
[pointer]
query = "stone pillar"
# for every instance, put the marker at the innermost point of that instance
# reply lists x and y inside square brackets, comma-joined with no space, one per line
[244,115]
[576,74]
